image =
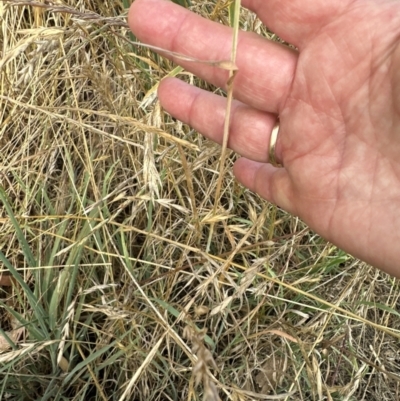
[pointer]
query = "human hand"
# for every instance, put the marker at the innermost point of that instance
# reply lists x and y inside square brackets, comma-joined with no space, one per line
[338,100]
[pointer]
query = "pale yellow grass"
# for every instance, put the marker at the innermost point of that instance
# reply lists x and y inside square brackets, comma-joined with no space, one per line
[106,209]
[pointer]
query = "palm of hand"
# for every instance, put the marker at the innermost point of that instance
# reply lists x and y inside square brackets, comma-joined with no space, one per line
[340,138]
[338,102]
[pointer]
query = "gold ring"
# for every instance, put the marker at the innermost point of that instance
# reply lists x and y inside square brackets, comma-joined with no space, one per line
[272,145]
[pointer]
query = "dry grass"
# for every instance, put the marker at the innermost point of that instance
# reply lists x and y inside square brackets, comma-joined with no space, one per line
[106,208]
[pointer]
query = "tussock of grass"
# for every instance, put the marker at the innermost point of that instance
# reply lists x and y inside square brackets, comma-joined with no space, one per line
[106,208]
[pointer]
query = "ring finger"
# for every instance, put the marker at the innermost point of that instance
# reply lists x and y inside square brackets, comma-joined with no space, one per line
[250,129]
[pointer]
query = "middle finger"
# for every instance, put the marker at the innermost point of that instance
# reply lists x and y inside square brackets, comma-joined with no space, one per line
[249,131]
[266,68]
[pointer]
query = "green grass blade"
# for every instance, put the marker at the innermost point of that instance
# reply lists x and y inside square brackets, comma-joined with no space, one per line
[32,329]
[20,235]
[58,292]
[183,3]
[174,312]
[8,339]
[33,301]
[78,370]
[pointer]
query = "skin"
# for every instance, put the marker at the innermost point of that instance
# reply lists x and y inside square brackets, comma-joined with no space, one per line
[338,100]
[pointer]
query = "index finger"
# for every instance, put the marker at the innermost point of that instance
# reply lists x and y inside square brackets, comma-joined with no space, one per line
[266,68]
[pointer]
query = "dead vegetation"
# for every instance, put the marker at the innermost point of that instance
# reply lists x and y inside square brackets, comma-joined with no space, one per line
[106,207]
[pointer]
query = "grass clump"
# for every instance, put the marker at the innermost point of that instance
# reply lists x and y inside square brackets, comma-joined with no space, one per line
[106,289]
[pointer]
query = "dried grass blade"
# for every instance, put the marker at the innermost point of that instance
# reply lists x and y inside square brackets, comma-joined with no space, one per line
[227,114]
[127,393]
[228,65]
